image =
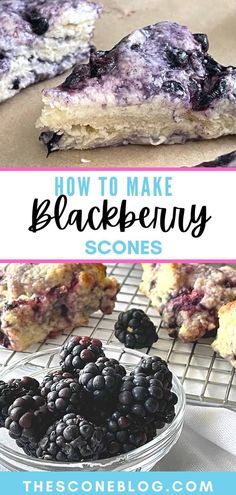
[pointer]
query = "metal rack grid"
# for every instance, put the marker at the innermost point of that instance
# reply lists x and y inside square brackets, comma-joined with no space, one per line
[207,378]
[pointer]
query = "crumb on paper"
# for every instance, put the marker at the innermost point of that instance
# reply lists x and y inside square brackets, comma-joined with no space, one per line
[83,160]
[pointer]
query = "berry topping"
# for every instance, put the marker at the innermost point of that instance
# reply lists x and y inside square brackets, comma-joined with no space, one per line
[16,83]
[216,92]
[71,439]
[135,329]
[39,24]
[173,87]
[203,40]
[177,58]
[78,352]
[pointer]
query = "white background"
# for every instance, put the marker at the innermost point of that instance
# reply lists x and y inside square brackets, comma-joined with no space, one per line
[214,189]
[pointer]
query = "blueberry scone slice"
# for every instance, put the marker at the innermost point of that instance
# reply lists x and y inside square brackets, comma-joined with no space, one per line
[45,299]
[42,38]
[188,296]
[158,85]
[225,343]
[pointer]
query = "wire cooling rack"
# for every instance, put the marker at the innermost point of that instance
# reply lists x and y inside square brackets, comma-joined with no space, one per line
[207,378]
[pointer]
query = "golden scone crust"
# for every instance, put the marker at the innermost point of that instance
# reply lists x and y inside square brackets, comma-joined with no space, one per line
[37,300]
[225,343]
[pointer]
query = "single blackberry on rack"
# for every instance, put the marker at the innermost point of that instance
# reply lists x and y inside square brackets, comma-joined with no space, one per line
[124,433]
[145,398]
[12,390]
[64,396]
[71,439]
[27,420]
[157,367]
[78,352]
[135,330]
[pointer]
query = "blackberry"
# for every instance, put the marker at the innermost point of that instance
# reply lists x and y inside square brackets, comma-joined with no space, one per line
[71,439]
[157,367]
[124,433]
[105,362]
[144,398]
[166,411]
[39,24]
[203,40]
[50,379]
[135,329]
[78,352]
[177,58]
[63,395]
[11,391]
[101,381]
[27,420]
[173,87]
[97,411]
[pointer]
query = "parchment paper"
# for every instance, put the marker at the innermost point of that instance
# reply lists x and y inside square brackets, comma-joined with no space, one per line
[19,145]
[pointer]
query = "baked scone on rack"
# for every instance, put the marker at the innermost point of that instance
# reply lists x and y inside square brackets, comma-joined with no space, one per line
[42,38]
[189,296]
[38,300]
[225,343]
[157,85]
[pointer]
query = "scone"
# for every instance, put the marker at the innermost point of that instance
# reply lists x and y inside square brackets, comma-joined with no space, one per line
[225,343]
[37,300]
[158,85]
[188,296]
[42,38]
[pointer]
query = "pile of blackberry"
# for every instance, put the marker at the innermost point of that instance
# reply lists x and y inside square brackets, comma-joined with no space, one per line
[89,409]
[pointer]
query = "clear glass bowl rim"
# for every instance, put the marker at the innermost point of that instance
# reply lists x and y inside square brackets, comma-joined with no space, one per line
[109,462]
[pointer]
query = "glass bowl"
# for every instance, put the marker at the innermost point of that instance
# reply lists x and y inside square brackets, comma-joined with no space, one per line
[141,459]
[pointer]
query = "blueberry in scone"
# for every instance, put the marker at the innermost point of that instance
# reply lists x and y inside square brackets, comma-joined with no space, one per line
[225,343]
[189,296]
[42,299]
[42,38]
[157,85]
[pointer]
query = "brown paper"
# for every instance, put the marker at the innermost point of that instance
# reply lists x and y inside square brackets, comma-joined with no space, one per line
[19,143]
